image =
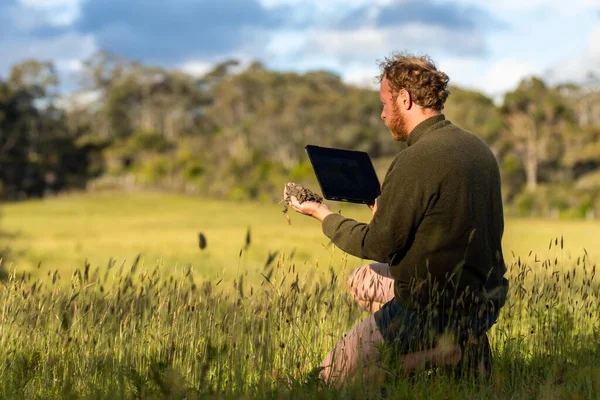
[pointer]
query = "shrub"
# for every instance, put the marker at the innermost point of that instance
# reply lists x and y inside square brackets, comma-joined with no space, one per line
[148,141]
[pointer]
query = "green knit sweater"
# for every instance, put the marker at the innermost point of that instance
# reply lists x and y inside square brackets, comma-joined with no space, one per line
[439,222]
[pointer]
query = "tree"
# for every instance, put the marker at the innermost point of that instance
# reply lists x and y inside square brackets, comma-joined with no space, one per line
[241,132]
[101,69]
[20,136]
[37,154]
[582,148]
[535,113]
[477,113]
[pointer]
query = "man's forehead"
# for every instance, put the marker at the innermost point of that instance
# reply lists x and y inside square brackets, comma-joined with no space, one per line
[384,87]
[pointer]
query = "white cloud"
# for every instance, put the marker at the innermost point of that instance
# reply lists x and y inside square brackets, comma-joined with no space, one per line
[362,76]
[509,7]
[70,66]
[577,68]
[49,4]
[594,44]
[22,21]
[196,68]
[368,44]
[54,12]
[63,50]
[355,53]
[275,3]
[520,5]
[491,61]
[327,13]
[463,72]
[323,5]
[362,43]
[285,42]
[505,75]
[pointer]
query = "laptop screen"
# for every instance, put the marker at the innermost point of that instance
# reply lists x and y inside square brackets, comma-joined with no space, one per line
[344,175]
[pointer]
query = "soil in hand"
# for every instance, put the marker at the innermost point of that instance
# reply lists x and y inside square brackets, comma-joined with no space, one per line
[299,192]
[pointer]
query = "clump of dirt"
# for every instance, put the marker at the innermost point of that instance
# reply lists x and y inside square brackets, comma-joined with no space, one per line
[301,193]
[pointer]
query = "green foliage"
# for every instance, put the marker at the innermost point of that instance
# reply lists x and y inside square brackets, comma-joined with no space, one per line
[513,176]
[301,171]
[586,153]
[193,170]
[245,129]
[525,203]
[556,201]
[148,141]
[539,117]
[153,169]
[590,181]
[38,151]
[257,179]
[476,113]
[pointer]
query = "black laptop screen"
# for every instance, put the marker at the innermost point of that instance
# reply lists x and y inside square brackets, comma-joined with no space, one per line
[344,175]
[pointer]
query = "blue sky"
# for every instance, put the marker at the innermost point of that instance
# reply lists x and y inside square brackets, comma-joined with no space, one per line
[485,45]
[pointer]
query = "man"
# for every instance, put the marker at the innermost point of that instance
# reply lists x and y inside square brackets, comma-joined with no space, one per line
[436,232]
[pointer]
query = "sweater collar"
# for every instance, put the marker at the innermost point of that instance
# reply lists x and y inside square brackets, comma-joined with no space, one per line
[423,127]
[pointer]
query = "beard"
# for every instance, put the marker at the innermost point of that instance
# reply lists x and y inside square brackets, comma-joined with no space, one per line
[397,125]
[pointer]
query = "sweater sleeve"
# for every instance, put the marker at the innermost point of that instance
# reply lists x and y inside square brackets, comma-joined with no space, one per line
[400,207]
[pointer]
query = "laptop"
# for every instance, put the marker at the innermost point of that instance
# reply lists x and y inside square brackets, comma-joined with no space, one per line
[344,175]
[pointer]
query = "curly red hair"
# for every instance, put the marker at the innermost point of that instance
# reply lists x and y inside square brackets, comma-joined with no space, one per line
[419,76]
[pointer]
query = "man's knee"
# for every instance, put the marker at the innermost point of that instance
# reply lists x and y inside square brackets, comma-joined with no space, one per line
[356,278]
[357,349]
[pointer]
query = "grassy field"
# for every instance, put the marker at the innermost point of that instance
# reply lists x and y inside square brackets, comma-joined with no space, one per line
[184,323]
[61,233]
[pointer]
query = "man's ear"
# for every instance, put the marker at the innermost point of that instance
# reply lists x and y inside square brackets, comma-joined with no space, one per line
[404,100]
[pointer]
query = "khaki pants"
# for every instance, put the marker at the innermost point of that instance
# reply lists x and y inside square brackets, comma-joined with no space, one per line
[357,354]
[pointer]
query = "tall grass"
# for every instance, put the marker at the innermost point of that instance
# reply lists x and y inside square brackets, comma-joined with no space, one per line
[125,332]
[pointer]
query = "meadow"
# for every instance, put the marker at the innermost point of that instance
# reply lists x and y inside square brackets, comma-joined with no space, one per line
[252,313]
[61,233]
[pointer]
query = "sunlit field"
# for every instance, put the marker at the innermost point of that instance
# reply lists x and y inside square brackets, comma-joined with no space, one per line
[62,233]
[254,312]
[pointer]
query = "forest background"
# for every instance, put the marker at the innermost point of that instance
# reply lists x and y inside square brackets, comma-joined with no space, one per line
[238,132]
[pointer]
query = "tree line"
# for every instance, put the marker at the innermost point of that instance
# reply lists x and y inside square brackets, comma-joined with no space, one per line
[239,132]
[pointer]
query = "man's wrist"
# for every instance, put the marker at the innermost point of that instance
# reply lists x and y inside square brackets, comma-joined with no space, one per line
[321,213]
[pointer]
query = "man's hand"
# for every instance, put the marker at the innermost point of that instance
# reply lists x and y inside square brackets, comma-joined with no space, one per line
[312,208]
[373,207]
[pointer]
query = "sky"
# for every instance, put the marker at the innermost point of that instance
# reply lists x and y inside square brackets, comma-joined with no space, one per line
[483,45]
